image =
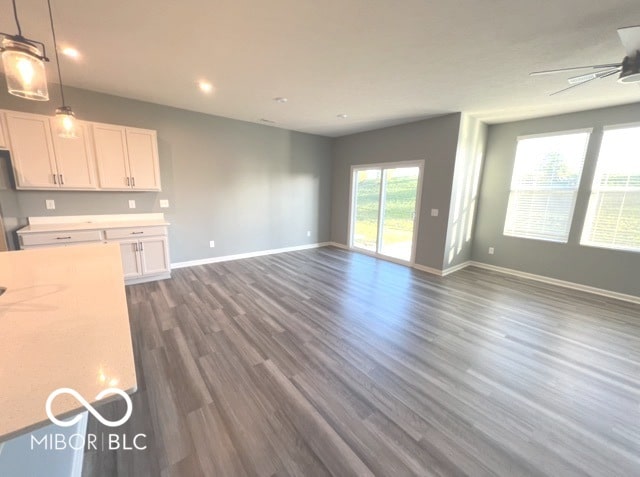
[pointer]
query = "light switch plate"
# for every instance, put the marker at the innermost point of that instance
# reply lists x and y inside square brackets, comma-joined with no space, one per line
[132,204]
[308,233]
[491,250]
[212,243]
[434,212]
[50,203]
[164,203]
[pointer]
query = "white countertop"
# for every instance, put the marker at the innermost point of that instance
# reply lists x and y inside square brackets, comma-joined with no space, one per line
[63,323]
[69,227]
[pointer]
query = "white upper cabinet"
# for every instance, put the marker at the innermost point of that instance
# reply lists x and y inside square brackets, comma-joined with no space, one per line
[127,157]
[142,146]
[103,157]
[4,139]
[32,151]
[42,160]
[74,158]
[111,156]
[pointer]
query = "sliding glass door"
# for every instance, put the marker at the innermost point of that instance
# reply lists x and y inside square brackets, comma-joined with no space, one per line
[384,205]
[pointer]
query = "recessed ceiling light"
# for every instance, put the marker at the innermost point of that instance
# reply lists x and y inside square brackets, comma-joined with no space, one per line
[280,99]
[342,116]
[205,86]
[71,52]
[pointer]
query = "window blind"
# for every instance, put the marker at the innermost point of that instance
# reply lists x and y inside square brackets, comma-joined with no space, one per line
[613,215]
[544,185]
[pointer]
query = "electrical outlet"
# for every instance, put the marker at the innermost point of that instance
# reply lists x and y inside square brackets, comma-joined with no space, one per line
[164,204]
[491,250]
[132,204]
[308,233]
[212,243]
[434,212]
[50,203]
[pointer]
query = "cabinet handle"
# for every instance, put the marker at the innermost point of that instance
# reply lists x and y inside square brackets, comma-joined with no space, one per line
[55,179]
[133,181]
[141,247]
[136,233]
[61,179]
[135,246]
[128,184]
[63,238]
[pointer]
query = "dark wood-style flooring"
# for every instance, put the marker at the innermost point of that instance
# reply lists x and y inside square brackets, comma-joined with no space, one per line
[327,362]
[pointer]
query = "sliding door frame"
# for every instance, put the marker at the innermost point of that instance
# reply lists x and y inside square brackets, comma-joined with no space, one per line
[352,207]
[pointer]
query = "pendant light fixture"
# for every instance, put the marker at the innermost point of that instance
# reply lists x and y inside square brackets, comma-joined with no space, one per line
[65,119]
[23,60]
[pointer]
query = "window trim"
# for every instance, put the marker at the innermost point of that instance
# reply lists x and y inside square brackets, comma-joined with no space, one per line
[612,127]
[554,133]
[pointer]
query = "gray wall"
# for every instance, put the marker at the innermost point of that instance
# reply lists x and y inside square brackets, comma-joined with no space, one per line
[247,186]
[608,269]
[464,195]
[432,140]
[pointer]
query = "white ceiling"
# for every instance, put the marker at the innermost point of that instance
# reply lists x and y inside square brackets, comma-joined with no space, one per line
[382,62]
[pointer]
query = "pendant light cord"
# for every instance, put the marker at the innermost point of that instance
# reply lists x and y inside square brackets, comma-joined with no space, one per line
[55,48]
[15,15]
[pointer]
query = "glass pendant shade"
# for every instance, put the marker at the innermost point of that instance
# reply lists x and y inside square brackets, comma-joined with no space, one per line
[24,70]
[66,124]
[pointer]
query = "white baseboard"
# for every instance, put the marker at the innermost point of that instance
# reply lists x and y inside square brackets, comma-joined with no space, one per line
[455,268]
[424,268]
[239,256]
[338,245]
[560,283]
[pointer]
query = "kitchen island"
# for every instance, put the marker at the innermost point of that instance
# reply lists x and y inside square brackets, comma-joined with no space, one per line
[63,324]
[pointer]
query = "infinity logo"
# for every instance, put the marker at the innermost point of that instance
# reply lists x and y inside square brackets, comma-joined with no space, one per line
[89,407]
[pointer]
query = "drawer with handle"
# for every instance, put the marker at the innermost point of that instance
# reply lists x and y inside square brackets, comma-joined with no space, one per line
[135,232]
[59,238]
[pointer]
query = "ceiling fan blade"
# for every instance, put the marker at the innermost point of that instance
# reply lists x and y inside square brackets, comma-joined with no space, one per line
[630,38]
[562,70]
[612,72]
[590,76]
[574,86]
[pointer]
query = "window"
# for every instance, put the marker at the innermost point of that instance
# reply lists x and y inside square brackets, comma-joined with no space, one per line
[544,185]
[613,216]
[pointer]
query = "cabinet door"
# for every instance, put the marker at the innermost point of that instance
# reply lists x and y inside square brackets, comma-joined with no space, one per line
[131,264]
[155,255]
[74,158]
[4,142]
[111,157]
[142,147]
[31,151]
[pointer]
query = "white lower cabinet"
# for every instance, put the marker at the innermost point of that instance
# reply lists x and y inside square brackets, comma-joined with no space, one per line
[131,263]
[154,255]
[145,257]
[144,249]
